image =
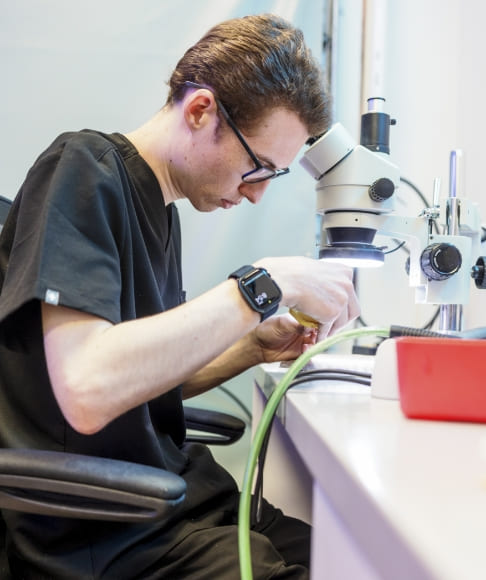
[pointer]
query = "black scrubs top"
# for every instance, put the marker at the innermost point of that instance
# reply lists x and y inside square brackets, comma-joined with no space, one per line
[88,230]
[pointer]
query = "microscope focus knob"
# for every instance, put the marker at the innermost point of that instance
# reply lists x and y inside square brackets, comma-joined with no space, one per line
[478,273]
[440,261]
[382,189]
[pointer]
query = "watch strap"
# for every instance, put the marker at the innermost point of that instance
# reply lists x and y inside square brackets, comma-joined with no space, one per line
[242,271]
[245,272]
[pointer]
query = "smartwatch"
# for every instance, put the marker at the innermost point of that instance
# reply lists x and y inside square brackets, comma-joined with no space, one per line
[259,290]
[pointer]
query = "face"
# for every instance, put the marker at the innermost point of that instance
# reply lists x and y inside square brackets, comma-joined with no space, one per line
[223,160]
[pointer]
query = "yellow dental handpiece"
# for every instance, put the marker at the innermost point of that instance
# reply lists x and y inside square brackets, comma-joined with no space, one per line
[304,319]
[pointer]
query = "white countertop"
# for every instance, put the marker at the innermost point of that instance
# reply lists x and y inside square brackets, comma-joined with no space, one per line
[405,488]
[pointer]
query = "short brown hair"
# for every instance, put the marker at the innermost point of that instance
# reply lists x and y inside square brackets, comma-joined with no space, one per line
[254,64]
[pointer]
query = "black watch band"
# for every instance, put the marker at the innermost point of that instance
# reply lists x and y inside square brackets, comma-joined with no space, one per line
[259,290]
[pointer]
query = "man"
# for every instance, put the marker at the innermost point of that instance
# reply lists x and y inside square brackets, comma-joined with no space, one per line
[98,348]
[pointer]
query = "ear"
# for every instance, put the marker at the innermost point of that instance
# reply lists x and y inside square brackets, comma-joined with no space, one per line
[200,109]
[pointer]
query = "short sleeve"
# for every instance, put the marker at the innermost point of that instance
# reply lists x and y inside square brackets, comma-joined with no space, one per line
[69,221]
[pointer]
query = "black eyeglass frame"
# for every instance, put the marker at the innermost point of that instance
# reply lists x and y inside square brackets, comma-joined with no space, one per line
[246,177]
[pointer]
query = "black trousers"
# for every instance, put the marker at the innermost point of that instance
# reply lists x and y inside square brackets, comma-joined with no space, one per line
[207,542]
[279,550]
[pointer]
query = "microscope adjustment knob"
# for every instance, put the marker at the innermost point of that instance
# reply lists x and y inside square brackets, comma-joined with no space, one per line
[478,272]
[381,190]
[440,261]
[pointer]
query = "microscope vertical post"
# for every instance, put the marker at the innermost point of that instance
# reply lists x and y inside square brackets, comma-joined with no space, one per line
[450,317]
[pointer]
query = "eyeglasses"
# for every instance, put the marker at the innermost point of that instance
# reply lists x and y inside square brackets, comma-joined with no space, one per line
[261,172]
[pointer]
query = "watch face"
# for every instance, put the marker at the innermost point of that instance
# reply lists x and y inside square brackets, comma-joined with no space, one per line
[263,290]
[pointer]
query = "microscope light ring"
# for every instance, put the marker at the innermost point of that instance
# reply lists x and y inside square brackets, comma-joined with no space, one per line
[356,255]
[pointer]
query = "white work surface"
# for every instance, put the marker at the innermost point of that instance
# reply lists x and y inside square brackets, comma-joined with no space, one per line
[392,498]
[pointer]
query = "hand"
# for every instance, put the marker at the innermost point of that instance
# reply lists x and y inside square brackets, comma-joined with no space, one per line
[319,289]
[282,338]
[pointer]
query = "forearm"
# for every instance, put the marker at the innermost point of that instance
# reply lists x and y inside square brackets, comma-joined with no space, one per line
[280,338]
[238,358]
[99,370]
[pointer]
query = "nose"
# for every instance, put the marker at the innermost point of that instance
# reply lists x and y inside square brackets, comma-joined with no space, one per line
[253,191]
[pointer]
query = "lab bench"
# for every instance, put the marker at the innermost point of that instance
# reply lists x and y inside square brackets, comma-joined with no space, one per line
[389,497]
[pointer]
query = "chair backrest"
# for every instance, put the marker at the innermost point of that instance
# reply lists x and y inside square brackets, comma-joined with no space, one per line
[5,205]
[4,568]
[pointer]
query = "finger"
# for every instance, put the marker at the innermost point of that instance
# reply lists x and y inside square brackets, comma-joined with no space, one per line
[341,321]
[347,315]
[353,309]
[324,330]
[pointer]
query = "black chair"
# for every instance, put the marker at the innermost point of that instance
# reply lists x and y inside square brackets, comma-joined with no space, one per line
[78,486]
[4,209]
[69,485]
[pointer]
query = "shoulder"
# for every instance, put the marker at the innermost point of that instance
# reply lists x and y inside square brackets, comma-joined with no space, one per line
[79,172]
[86,142]
[78,159]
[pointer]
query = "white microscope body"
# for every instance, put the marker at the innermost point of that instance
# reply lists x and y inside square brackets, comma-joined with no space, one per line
[356,199]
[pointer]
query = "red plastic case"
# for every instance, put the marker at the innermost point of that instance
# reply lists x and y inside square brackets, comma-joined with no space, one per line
[442,379]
